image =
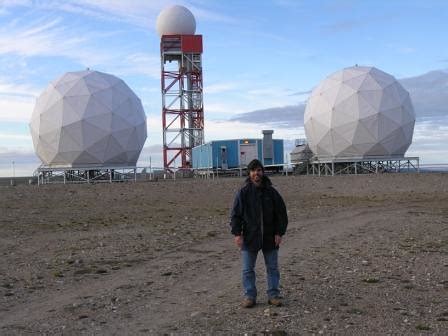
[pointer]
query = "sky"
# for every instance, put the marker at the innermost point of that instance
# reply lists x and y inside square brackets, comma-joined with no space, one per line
[263,55]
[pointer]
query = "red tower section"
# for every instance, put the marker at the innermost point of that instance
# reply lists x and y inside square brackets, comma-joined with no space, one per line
[182,98]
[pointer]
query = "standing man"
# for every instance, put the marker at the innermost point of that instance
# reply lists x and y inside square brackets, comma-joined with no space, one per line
[258,222]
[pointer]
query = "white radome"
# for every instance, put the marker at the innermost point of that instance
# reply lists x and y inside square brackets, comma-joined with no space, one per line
[176,20]
[357,113]
[88,118]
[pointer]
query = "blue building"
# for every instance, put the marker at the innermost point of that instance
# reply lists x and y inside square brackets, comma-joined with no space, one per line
[228,154]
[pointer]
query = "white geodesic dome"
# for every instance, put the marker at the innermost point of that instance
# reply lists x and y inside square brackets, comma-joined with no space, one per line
[359,112]
[176,20]
[88,118]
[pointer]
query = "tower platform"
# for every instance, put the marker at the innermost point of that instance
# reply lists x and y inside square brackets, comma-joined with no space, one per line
[91,174]
[371,165]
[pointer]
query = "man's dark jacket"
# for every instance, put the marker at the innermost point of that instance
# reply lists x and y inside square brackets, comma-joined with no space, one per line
[246,216]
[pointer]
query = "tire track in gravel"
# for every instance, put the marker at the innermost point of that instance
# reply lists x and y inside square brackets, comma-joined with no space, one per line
[223,292]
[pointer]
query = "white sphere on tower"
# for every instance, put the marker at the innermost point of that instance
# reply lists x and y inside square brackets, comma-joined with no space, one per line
[176,20]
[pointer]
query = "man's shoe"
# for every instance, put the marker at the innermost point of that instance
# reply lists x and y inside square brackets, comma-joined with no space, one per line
[275,301]
[248,303]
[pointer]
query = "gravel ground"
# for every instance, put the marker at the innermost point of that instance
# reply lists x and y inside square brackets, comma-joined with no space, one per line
[362,255]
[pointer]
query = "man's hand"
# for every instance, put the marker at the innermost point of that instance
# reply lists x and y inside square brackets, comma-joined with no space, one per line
[239,241]
[278,240]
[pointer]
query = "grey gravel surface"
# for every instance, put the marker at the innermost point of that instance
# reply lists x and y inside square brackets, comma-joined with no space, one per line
[363,255]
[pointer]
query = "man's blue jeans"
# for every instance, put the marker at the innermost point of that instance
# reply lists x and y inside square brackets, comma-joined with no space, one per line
[248,274]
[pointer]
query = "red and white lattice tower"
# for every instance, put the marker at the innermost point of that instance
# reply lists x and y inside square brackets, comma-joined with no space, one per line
[181,83]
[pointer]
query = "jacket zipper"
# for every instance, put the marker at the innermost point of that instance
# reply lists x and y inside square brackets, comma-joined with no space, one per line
[262,222]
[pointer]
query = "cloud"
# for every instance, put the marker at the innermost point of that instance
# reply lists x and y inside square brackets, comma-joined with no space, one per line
[221,108]
[139,64]
[139,13]
[135,12]
[301,93]
[429,93]
[13,3]
[14,136]
[39,38]
[284,117]
[341,26]
[16,109]
[51,37]
[210,15]
[429,141]
[225,98]
[9,88]
[235,129]
[26,156]
[219,87]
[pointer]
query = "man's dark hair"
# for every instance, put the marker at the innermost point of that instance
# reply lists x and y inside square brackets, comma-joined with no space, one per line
[254,164]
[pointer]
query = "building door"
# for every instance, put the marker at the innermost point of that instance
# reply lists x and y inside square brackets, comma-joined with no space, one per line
[248,152]
[224,163]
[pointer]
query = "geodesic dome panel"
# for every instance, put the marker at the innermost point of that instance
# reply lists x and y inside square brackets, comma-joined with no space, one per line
[359,112]
[88,118]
